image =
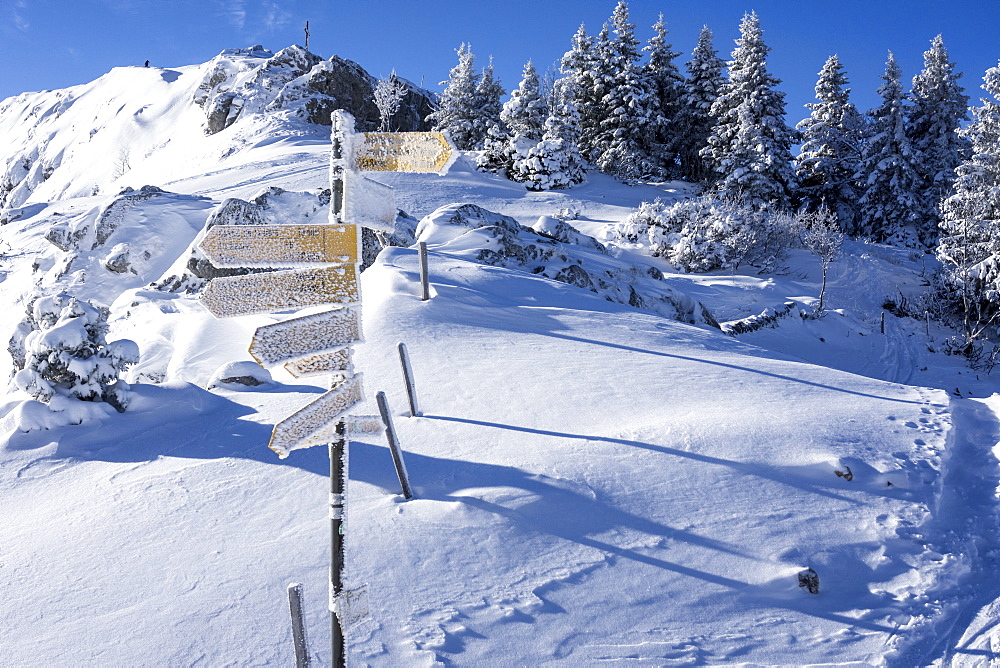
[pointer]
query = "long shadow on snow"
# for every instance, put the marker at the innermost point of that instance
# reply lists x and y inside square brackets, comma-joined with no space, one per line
[501,317]
[181,420]
[577,517]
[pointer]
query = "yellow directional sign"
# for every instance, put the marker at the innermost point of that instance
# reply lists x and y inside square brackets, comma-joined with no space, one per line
[301,337]
[280,245]
[335,361]
[405,152]
[315,424]
[273,291]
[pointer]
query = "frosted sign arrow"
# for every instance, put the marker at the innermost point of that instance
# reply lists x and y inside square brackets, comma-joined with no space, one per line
[424,152]
[273,291]
[269,246]
[368,202]
[316,423]
[300,337]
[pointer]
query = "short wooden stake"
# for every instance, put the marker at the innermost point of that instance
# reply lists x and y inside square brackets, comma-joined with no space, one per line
[425,288]
[411,390]
[397,453]
[883,322]
[298,626]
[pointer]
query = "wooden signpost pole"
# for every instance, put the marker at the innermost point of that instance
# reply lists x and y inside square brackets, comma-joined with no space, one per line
[317,265]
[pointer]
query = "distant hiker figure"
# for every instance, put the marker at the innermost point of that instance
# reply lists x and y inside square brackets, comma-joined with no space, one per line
[147,64]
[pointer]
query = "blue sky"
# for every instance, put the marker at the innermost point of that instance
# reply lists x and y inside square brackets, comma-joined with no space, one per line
[56,43]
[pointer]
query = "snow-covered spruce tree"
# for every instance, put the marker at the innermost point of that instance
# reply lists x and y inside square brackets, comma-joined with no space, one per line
[888,176]
[693,123]
[493,157]
[555,161]
[631,108]
[969,244]
[580,64]
[939,105]
[489,90]
[750,145]
[665,83]
[456,113]
[831,148]
[60,349]
[524,115]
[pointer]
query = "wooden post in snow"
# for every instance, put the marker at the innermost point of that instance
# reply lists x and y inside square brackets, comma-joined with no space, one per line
[397,452]
[411,390]
[425,288]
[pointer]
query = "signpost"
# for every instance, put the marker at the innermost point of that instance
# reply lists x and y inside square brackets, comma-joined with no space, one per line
[311,265]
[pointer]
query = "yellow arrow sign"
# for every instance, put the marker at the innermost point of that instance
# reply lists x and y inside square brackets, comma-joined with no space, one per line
[335,361]
[272,291]
[315,424]
[405,152]
[280,245]
[300,337]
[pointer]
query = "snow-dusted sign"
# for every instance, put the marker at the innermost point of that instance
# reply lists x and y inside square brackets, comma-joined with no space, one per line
[270,246]
[273,291]
[300,337]
[368,203]
[336,361]
[316,423]
[423,152]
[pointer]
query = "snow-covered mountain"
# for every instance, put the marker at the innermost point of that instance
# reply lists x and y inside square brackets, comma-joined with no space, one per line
[601,472]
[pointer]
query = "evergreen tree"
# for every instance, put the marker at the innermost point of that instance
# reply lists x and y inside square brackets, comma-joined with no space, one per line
[665,82]
[969,245]
[631,112]
[750,145]
[580,65]
[694,122]
[493,157]
[939,105]
[524,115]
[830,153]
[555,162]
[888,176]
[525,112]
[456,113]
[488,106]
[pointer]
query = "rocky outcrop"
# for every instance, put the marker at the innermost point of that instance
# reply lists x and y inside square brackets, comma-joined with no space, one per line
[554,249]
[304,85]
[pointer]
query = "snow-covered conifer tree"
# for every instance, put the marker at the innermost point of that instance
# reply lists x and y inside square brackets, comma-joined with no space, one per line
[888,175]
[456,113]
[969,245]
[831,150]
[493,157]
[665,82]
[60,349]
[693,123]
[555,162]
[525,112]
[580,64]
[750,145]
[939,105]
[487,106]
[631,108]
[524,115]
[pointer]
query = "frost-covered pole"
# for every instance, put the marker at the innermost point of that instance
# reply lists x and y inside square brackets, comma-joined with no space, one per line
[298,626]
[343,129]
[338,476]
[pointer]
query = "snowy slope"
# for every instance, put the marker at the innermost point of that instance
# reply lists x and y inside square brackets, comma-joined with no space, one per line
[594,482]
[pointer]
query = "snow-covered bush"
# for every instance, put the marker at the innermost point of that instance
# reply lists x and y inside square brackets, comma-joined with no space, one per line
[706,234]
[60,349]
